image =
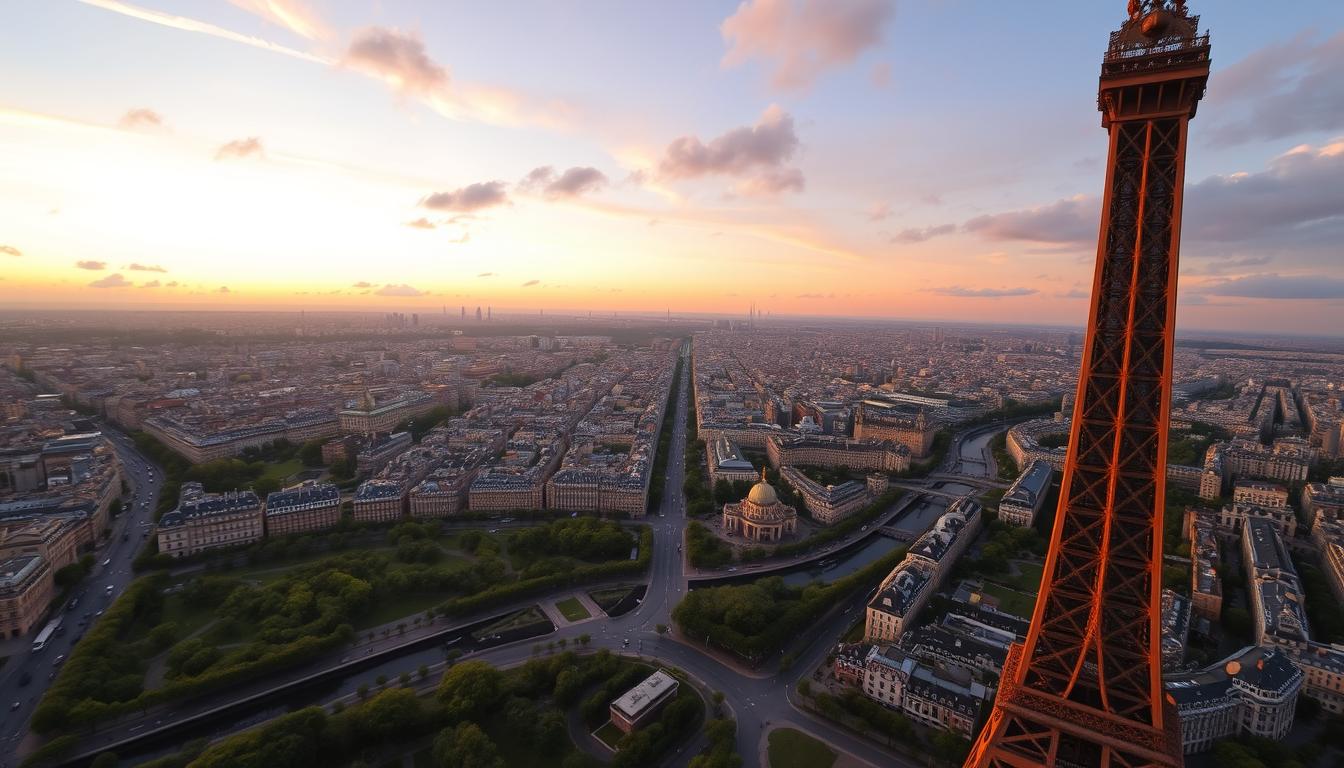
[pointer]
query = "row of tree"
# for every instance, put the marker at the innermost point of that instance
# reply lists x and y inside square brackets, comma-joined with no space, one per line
[758,619]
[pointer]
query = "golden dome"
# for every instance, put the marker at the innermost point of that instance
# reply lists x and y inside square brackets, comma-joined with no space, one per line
[763,494]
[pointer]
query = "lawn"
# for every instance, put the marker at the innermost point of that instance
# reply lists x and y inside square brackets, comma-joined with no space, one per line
[404,606]
[572,609]
[188,618]
[523,618]
[281,471]
[609,734]
[795,749]
[1012,601]
[1029,578]
[607,599]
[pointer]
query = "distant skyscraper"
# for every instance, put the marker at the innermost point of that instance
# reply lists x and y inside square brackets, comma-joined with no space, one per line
[488,311]
[478,314]
[1085,689]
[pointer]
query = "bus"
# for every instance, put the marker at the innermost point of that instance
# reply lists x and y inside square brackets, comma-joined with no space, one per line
[44,636]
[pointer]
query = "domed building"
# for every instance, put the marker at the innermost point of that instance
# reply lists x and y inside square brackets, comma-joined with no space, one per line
[761,516]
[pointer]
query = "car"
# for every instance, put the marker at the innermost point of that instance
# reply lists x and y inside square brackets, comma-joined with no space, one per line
[106,563]
[58,661]
[99,613]
[110,587]
[14,706]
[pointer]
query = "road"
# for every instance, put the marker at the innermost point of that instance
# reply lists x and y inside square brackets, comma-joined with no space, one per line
[112,567]
[758,700]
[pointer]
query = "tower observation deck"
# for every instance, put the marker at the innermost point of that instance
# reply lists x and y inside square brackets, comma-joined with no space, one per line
[1085,688]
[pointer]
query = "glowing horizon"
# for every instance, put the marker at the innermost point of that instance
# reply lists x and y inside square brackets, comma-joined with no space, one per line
[305,155]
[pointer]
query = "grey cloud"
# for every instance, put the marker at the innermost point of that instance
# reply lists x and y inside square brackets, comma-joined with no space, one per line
[141,118]
[576,181]
[96,266]
[1274,286]
[1072,220]
[114,280]
[399,290]
[1281,90]
[1073,293]
[572,183]
[802,39]
[983,293]
[398,57]
[1299,190]
[919,235]
[486,274]
[472,197]
[240,148]
[758,153]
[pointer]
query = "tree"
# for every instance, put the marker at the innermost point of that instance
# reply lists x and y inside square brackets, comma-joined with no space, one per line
[465,746]
[423,671]
[470,689]
[311,453]
[382,680]
[363,691]
[949,748]
[404,678]
[660,629]
[585,639]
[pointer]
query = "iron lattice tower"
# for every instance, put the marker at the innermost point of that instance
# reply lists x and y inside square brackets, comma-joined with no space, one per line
[1085,689]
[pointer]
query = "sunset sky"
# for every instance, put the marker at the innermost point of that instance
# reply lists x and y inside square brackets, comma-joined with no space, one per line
[937,159]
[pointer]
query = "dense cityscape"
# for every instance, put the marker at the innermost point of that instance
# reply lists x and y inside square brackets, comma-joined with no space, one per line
[843,524]
[856,429]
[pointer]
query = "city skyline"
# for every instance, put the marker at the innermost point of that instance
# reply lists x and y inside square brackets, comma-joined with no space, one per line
[393,159]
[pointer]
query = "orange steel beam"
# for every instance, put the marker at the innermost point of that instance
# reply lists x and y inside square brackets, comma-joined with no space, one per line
[1085,687]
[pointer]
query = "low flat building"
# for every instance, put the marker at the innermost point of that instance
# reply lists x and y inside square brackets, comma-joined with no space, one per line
[1323,501]
[1206,588]
[379,501]
[727,462]
[55,537]
[1275,589]
[1024,499]
[1328,536]
[307,507]
[205,521]
[1175,629]
[1257,499]
[25,591]
[828,504]
[825,451]
[639,705]
[941,698]
[381,451]
[898,601]
[1252,692]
